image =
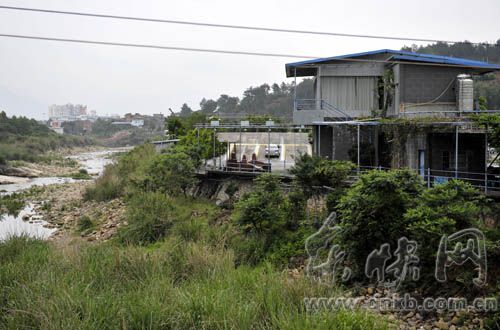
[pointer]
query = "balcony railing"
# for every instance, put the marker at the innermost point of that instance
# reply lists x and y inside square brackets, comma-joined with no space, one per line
[317,104]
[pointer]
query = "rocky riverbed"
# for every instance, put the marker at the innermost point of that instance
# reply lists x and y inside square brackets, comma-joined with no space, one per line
[54,203]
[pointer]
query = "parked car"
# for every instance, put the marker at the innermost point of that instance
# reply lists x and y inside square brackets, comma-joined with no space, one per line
[273,150]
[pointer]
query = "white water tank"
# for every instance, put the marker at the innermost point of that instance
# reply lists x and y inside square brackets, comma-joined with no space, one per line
[465,93]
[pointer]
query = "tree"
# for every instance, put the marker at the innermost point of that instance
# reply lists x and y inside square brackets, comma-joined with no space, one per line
[262,211]
[227,104]
[371,211]
[175,126]
[171,173]
[208,106]
[200,144]
[313,171]
[186,110]
[443,210]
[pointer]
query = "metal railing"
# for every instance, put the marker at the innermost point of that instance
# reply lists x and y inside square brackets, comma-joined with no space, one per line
[486,182]
[317,104]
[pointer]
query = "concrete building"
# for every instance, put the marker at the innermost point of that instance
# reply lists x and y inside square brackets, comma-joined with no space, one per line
[389,108]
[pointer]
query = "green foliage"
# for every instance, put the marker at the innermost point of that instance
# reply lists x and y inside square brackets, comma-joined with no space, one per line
[26,139]
[85,224]
[107,187]
[171,173]
[82,174]
[312,172]
[443,210]
[172,285]
[261,211]
[272,224]
[373,209]
[149,216]
[12,204]
[127,174]
[492,122]
[199,144]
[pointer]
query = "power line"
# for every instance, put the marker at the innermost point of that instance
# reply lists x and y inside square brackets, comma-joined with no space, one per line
[216,51]
[122,44]
[242,27]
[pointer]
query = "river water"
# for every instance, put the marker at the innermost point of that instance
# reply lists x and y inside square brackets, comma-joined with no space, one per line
[33,225]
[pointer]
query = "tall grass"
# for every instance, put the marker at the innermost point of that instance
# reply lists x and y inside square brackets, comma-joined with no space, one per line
[171,285]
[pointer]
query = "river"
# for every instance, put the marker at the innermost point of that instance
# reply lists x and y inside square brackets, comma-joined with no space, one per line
[33,224]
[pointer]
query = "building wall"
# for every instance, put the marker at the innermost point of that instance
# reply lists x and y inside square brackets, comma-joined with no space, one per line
[419,85]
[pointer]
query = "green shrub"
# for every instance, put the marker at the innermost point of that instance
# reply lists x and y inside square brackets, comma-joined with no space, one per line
[442,210]
[172,173]
[149,215]
[107,187]
[313,172]
[372,211]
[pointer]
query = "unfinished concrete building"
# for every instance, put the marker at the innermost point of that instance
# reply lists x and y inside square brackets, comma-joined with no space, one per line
[392,109]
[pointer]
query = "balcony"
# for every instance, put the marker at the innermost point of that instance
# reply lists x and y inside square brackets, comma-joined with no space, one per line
[307,111]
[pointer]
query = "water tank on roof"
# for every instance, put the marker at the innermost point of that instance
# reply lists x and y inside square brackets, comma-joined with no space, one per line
[465,93]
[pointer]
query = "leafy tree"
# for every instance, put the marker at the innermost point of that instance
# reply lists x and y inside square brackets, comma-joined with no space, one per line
[314,171]
[262,211]
[175,126]
[371,211]
[208,106]
[200,144]
[443,210]
[171,173]
[186,110]
[227,104]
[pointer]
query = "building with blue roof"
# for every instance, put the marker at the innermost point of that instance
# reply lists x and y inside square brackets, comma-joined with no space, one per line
[360,89]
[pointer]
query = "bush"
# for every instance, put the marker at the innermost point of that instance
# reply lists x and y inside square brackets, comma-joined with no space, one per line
[442,210]
[172,173]
[312,172]
[106,187]
[371,212]
[149,215]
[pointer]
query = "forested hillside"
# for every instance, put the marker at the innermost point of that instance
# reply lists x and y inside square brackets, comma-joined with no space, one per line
[26,139]
[275,100]
[487,86]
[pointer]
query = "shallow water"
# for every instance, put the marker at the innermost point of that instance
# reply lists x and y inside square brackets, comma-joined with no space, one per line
[93,162]
[15,225]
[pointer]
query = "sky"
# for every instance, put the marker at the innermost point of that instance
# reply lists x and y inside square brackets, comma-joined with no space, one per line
[115,80]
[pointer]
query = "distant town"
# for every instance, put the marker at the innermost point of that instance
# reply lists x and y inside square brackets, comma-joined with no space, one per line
[78,119]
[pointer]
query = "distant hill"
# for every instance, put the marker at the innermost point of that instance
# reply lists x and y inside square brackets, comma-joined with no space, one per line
[487,86]
[275,100]
[26,139]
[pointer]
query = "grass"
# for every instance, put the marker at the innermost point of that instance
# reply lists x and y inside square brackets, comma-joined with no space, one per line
[12,204]
[82,174]
[170,285]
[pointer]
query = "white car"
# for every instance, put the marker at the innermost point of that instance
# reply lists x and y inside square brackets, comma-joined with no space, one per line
[273,150]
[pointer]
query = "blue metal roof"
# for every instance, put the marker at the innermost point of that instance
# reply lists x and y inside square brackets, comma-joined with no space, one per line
[399,55]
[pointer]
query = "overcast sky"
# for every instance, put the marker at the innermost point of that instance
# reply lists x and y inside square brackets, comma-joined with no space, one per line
[117,80]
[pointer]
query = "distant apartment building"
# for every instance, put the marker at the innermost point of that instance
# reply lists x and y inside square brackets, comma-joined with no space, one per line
[67,111]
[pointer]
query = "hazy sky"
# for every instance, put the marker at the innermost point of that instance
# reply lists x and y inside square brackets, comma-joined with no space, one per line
[35,74]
